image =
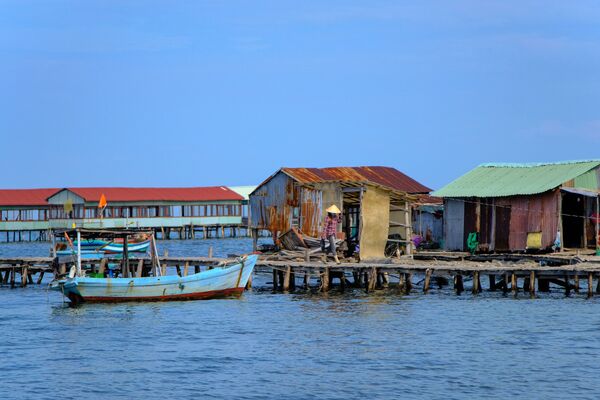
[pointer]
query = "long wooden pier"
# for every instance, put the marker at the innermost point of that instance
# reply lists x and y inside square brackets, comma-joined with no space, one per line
[518,274]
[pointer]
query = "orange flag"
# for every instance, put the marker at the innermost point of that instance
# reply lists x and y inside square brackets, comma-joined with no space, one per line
[102,202]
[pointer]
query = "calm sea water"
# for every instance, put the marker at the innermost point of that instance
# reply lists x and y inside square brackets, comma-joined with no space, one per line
[297,346]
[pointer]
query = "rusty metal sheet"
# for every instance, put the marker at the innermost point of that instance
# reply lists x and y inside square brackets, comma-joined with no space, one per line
[384,176]
[271,205]
[518,223]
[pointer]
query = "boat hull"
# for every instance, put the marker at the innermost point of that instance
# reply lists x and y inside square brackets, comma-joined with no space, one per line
[219,282]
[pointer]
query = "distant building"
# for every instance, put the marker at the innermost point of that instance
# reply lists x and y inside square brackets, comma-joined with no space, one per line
[24,211]
[376,202]
[516,207]
[27,211]
[244,191]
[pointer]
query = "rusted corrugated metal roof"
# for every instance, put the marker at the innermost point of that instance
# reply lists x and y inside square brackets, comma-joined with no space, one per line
[25,197]
[214,193]
[384,176]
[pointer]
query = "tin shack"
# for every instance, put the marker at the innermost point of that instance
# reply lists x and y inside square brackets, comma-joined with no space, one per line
[518,207]
[376,203]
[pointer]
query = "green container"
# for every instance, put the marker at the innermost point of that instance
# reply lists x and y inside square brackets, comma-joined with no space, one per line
[96,275]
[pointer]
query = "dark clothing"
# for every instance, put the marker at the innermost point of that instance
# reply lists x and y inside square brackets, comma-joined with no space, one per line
[332,247]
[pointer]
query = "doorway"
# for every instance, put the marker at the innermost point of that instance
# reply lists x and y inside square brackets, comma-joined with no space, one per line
[573,218]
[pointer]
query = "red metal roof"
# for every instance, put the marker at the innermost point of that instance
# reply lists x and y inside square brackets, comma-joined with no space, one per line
[25,197]
[212,193]
[385,176]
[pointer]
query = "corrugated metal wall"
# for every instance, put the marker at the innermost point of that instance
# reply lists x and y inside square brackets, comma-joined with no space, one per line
[506,226]
[454,222]
[272,204]
[311,211]
[423,221]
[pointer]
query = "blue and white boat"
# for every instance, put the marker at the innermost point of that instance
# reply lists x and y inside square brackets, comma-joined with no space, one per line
[229,280]
[220,281]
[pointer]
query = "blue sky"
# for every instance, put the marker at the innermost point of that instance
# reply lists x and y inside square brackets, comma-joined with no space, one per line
[193,93]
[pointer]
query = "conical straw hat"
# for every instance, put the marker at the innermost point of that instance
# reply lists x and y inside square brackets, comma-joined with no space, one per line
[333,209]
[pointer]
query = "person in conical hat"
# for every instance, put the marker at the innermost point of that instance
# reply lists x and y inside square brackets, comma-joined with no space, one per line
[333,210]
[334,216]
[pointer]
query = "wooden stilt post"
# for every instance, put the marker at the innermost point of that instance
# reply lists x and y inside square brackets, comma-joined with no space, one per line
[513,284]
[459,286]
[12,277]
[476,282]
[178,269]
[505,283]
[401,281]
[567,285]
[408,282]
[24,273]
[492,279]
[186,268]
[532,283]
[325,279]
[286,278]
[590,285]
[274,279]
[427,280]
[306,280]
[254,239]
[40,277]
[576,279]
[385,278]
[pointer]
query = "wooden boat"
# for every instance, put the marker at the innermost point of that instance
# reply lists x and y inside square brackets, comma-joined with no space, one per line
[224,281]
[221,281]
[97,248]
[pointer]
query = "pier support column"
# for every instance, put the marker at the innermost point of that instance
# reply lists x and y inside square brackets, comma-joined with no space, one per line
[325,280]
[286,278]
[513,284]
[459,286]
[532,283]
[408,282]
[427,280]
[24,275]
[492,279]
[254,239]
[401,281]
[590,285]
[372,280]
[306,280]
[476,283]
[275,280]
[567,285]
[576,279]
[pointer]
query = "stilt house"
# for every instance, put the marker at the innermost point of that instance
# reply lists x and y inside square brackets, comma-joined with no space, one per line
[375,201]
[518,207]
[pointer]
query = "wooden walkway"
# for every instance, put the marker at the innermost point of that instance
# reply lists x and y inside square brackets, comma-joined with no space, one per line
[524,273]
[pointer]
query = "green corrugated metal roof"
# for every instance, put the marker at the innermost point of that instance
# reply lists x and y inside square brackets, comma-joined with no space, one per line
[496,180]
